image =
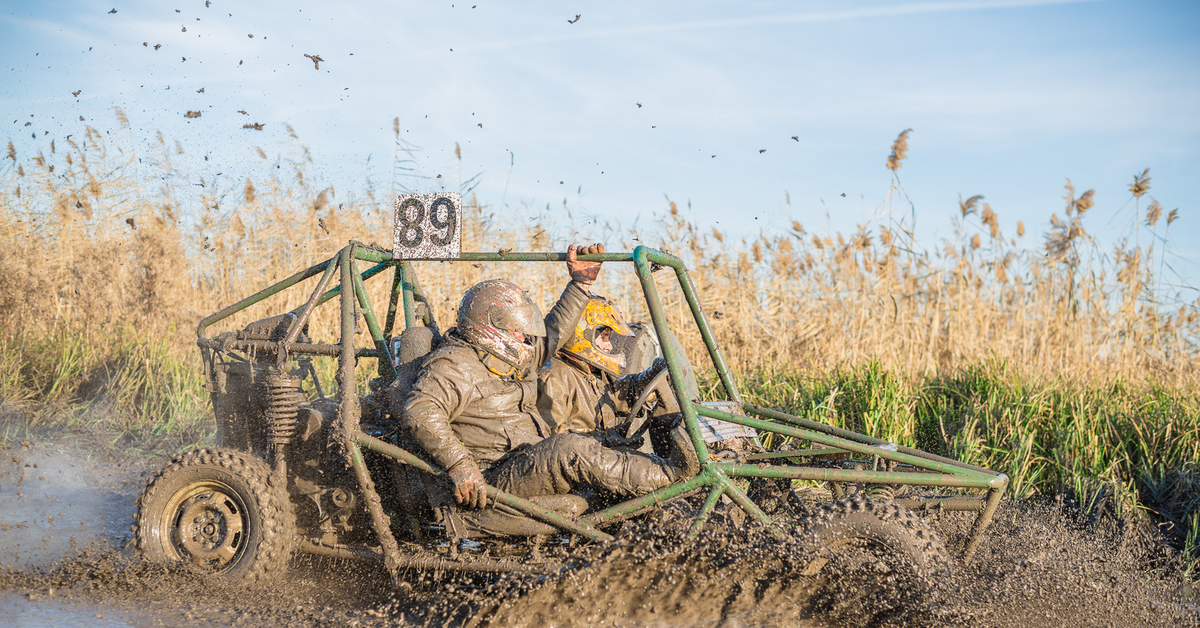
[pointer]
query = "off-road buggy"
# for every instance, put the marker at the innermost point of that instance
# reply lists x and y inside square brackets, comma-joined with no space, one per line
[295,469]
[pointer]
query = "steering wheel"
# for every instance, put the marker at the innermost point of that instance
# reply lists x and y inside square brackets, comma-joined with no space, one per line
[691,388]
[640,405]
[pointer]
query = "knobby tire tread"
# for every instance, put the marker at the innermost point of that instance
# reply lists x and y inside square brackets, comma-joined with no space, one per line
[278,522]
[920,537]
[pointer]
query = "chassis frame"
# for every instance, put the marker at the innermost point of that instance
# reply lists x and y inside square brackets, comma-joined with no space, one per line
[715,477]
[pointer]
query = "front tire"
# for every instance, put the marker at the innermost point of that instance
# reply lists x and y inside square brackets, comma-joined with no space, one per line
[873,562]
[217,512]
[876,526]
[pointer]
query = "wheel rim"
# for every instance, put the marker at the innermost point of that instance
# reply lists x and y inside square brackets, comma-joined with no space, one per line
[205,525]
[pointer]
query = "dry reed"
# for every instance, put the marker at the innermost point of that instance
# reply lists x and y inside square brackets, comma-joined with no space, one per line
[99,242]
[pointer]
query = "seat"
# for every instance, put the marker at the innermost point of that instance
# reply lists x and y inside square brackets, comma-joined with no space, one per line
[409,351]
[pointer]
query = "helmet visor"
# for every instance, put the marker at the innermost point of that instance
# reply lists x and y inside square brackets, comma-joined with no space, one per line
[608,343]
[621,344]
[525,319]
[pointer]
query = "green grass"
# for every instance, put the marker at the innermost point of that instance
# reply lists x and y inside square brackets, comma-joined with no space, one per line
[124,384]
[1126,448]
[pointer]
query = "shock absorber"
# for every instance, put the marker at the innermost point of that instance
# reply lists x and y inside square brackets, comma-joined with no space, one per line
[284,397]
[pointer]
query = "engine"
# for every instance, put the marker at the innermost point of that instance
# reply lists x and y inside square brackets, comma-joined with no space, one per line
[280,414]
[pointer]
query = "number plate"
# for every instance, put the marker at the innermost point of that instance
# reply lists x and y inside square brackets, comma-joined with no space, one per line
[428,226]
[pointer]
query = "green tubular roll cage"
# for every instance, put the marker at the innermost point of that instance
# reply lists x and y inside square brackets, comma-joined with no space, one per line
[715,476]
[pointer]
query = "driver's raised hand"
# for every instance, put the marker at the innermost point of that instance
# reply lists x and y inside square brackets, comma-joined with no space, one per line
[583,273]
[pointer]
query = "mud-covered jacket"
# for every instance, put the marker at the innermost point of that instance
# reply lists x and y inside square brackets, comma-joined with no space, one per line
[571,399]
[459,408]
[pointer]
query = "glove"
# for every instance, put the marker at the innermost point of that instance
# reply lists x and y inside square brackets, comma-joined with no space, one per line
[610,438]
[469,485]
[584,273]
[632,385]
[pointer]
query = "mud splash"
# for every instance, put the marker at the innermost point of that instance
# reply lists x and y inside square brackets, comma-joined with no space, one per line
[65,560]
[1043,565]
[651,578]
[1046,565]
[54,500]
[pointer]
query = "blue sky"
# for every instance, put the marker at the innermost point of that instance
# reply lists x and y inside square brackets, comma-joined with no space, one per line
[1006,98]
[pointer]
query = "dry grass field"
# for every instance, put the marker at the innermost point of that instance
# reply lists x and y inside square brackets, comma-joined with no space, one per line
[1063,363]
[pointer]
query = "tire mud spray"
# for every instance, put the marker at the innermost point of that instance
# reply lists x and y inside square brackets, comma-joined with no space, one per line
[1041,565]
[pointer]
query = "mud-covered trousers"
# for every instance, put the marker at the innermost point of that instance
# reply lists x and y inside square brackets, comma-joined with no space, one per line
[558,464]
[547,471]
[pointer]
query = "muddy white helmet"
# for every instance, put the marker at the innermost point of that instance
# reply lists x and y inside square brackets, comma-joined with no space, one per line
[500,318]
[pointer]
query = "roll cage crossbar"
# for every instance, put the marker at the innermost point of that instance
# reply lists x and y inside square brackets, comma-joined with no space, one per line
[922,469]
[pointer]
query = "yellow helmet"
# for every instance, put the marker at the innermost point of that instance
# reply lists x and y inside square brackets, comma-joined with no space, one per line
[597,316]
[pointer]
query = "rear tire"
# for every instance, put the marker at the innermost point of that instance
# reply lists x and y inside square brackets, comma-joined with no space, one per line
[217,512]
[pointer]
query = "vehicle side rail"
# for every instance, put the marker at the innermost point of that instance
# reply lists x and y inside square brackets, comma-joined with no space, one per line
[296,348]
[783,417]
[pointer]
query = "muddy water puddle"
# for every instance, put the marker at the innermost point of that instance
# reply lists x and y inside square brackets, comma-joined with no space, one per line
[65,560]
[24,611]
[53,501]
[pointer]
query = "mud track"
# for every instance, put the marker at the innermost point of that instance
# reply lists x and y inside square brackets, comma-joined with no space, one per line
[66,559]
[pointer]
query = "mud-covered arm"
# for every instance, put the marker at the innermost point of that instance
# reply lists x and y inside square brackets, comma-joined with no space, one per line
[563,317]
[557,400]
[441,393]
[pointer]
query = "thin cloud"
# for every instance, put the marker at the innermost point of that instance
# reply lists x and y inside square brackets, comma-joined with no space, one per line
[916,8]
